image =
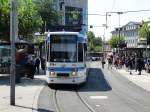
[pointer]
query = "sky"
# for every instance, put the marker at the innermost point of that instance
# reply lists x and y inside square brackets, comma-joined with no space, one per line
[103,6]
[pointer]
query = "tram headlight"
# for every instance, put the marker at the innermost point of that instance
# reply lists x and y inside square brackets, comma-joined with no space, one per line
[74,74]
[52,74]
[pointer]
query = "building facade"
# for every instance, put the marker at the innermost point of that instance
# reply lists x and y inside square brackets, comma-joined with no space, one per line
[74,13]
[134,44]
[130,32]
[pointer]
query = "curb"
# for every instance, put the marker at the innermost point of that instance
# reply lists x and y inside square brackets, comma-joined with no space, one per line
[35,100]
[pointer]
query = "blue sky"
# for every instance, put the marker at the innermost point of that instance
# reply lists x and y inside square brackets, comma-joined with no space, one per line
[103,6]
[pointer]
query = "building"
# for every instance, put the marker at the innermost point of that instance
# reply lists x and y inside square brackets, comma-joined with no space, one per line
[131,34]
[74,14]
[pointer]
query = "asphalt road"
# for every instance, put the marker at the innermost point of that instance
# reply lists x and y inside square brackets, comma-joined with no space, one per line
[105,91]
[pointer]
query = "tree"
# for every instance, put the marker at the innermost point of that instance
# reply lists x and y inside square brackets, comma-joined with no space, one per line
[4,19]
[90,37]
[94,43]
[144,31]
[115,41]
[39,39]
[28,23]
[49,16]
[97,41]
[29,20]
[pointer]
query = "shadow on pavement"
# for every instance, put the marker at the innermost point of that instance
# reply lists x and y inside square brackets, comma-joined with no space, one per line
[96,82]
[25,107]
[44,110]
[33,109]
[5,80]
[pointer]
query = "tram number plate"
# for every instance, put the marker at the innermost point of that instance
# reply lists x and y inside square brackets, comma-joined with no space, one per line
[63,75]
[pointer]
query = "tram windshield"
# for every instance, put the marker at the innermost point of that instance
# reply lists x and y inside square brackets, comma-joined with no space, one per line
[63,48]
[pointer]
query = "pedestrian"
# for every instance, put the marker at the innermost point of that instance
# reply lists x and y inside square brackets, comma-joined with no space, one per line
[37,64]
[109,63]
[43,64]
[30,68]
[140,65]
[103,62]
[126,63]
[130,64]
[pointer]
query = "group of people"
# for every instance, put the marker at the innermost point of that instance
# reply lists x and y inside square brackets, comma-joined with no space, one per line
[129,62]
[28,64]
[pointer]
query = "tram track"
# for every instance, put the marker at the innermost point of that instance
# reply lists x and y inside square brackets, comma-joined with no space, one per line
[84,102]
[55,100]
[59,107]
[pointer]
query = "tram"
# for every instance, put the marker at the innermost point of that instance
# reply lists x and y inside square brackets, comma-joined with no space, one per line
[65,58]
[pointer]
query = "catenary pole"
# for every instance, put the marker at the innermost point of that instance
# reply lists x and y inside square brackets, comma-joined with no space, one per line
[13,36]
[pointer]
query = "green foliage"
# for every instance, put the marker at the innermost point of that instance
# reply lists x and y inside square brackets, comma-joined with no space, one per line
[39,39]
[90,37]
[29,20]
[97,41]
[32,14]
[116,41]
[74,15]
[94,43]
[98,49]
[4,19]
[49,16]
[144,30]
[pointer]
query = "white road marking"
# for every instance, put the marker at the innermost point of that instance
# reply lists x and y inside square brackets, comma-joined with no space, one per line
[99,97]
[97,105]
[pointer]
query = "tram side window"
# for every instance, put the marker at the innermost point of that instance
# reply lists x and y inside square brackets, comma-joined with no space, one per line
[80,52]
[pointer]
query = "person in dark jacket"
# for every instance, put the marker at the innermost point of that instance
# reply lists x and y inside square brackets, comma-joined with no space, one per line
[103,61]
[130,64]
[140,65]
[37,64]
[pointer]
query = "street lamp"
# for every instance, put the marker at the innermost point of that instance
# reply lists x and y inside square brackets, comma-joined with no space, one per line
[119,32]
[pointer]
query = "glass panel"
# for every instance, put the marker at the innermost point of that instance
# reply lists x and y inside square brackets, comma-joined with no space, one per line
[63,48]
[80,52]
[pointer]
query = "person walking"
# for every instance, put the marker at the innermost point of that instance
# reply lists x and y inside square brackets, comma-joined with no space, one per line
[37,65]
[109,62]
[140,65]
[103,62]
[130,64]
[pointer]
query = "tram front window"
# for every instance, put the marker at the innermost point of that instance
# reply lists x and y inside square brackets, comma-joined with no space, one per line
[63,48]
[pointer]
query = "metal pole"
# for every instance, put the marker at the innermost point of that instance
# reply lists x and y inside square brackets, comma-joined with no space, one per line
[119,33]
[13,36]
[106,19]
[119,36]
[104,25]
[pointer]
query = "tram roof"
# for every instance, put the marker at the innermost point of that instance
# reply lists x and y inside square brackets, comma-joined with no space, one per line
[64,33]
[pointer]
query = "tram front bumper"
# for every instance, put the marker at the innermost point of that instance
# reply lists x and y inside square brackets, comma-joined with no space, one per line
[66,80]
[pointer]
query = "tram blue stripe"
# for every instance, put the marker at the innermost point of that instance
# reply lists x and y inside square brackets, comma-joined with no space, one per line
[64,69]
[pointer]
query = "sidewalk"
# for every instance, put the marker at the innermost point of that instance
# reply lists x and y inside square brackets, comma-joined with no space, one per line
[26,94]
[142,80]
